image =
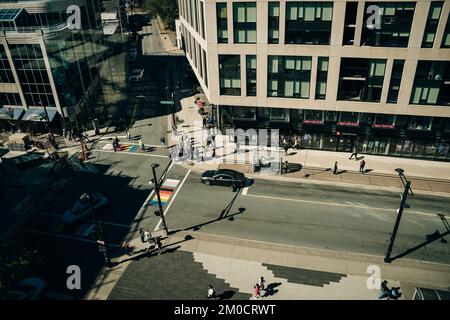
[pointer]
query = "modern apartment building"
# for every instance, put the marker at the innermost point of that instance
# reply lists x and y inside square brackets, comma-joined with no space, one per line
[44,62]
[324,72]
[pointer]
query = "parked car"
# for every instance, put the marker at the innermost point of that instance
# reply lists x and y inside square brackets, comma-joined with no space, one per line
[224,177]
[81,209]
[28,289]
[136,75]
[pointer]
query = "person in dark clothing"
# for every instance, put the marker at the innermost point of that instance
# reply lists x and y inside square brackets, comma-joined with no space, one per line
[355,153]
[158,245]
[335,168]
[384,290]
[362,166]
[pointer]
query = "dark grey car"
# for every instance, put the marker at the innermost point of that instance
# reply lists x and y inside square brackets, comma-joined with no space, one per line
[224,177]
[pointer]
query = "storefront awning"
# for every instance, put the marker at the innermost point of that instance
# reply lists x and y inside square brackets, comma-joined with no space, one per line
[11,113]
[38,114]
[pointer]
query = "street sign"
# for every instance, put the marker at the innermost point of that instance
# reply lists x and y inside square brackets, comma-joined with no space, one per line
[166,102]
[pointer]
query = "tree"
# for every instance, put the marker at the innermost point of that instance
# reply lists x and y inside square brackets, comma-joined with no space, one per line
[166,9]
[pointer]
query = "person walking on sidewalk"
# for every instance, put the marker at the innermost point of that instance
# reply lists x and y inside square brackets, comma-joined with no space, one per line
[142,145]
[163,141]
[211,292]
[257,291]
[335,168]
[362,166]
[148,238]
[115,143]
[355,153]
[384,293]
[158,245]
[141,232]
[128,135]
[261,283]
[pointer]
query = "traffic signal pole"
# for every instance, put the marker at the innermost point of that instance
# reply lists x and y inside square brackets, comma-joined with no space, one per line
[387,258]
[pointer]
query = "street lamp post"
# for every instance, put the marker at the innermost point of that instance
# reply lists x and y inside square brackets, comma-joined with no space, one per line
[403,204]
[98,231]
[161,213]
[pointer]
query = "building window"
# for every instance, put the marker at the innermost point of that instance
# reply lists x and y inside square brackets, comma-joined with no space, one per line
[308,22]
[396,78]
[349,119]
[322,74]
[395,25]
[351,9]
[244,22]
[279,114]
[251,75]
[274,22]
[205,68]
[202,20]
[446,38]
[289,76]
[313,116]
[361,79]
[243,113]
[384,121]
[420,123]
[6,75]
[10,99]
[230,75]
[432,24]
[222,26]
[431,83]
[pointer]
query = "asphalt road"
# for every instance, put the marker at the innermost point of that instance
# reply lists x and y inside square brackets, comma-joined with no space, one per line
[347,219]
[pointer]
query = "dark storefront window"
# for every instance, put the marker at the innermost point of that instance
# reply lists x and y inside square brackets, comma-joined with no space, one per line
[274,22]
[251,75]
[431,83]
[420,123]
[395,26]
[244,22]
[384,121]
[396,78]
[10,99]
[308,22]
[279,114]
[432,24]
[322,74]
[361,79]
[243,113]
[289,76]
[222,26]
[230,75]
[349,119]
[313,116]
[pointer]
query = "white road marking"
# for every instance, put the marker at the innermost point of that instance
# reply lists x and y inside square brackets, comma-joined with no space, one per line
[144,205]
[52,234]
[342,205]
[172,199]
[134,153]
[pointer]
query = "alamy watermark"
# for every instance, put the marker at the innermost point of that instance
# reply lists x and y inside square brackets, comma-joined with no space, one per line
[374,280]
[374,20]
[74,280]
[74,20]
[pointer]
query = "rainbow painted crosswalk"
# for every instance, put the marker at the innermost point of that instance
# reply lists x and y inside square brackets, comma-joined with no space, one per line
[165,191]
[123,147]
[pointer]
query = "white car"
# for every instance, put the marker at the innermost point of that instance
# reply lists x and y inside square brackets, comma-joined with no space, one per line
[136,75]
[28,289]
[81,209]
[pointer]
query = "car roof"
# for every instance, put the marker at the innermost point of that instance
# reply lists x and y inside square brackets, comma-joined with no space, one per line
[229,171]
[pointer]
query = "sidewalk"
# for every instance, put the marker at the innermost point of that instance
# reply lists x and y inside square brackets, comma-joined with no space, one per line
[427,177]
[296,272]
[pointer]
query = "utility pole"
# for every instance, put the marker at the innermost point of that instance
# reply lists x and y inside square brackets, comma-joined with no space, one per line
[98,231]
[387,258]
[160,212]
